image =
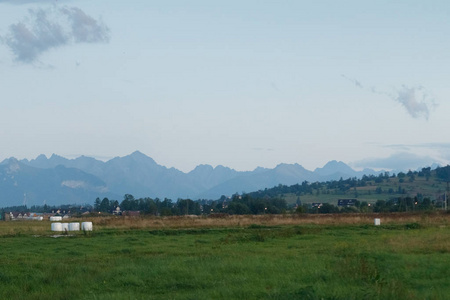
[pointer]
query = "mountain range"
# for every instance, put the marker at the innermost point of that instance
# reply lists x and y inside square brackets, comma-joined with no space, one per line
[57,180]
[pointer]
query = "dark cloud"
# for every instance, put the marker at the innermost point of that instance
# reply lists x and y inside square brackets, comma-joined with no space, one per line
[52,28]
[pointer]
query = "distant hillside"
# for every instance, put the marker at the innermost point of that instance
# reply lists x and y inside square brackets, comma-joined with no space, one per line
[426,183]
[80,180]
[23,184]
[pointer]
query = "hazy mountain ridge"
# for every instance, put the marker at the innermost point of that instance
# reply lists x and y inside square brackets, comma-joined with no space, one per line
[24,184]
[82,179]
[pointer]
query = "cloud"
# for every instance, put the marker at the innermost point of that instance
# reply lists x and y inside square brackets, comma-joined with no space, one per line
[354,81]
[401,161]
[27,43]
[416,100]
[85,29]
[439,150]
[48,29]
[439,146]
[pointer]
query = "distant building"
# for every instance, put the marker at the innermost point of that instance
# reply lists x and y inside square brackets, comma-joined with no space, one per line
[36,216]
[347,202]
[316,204]
[116,211]
[16,215]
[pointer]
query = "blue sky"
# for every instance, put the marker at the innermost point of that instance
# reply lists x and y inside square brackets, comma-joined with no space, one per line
[236,83]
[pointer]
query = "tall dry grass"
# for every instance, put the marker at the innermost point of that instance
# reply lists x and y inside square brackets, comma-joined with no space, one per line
[151,222]
[13,228]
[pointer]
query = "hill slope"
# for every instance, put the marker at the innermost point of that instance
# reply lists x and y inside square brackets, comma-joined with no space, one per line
[23,184]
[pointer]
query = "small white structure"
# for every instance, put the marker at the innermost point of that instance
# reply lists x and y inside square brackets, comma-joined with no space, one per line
[55,218]
[74,226]
[57,227]
[117,211]
[86,226]
[377,222]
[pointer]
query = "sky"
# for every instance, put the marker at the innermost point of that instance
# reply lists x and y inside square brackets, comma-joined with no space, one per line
[234,83]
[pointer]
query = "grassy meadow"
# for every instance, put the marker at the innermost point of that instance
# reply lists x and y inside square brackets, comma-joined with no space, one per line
[245,257]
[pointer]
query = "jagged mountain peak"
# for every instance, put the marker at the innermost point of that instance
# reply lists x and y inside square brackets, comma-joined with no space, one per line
[41,161]
[41,157]
[56,159]
[86,158]
[333,167]
[138,153]
[335,164]
[208,169]
[260,169]
[135,158]
[223,169]
[291,167]
[288,165]
[139,156]
[202,169]
[13,165]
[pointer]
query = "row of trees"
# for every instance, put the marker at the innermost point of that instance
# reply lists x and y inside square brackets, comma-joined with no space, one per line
[400,204]
[245,204]
[73,209]
[147,205]
[237,204]
[403,204]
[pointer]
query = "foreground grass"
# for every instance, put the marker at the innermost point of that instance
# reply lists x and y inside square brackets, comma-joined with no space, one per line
[307,261]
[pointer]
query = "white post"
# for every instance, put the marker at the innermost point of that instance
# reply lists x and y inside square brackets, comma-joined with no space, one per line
[445,201]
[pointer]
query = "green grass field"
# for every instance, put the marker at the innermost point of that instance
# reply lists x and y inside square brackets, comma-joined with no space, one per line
[403,260]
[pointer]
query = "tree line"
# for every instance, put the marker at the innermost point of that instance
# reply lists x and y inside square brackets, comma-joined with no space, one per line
[237,204]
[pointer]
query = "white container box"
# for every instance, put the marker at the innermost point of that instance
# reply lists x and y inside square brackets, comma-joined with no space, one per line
[57,227]
[74,226]
[86,226]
